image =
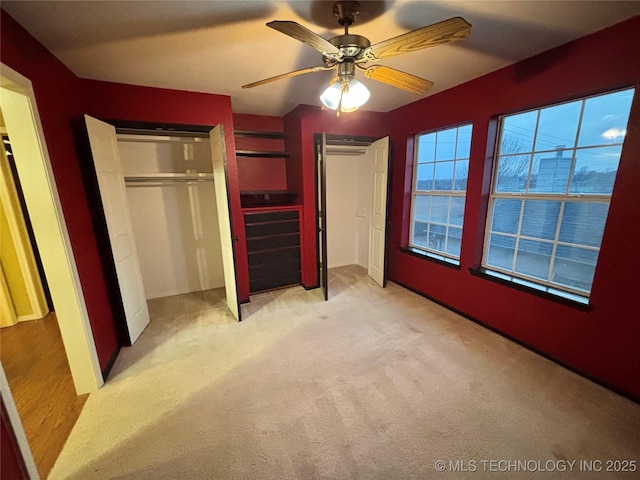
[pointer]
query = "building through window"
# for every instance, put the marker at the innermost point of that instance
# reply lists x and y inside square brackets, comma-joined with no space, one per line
[554,175]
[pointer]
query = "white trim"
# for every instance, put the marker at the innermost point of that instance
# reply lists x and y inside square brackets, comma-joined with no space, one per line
[16,425]
[18,232]
[17,100]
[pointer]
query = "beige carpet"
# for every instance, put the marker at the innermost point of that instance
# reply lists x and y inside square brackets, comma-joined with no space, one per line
[373,384]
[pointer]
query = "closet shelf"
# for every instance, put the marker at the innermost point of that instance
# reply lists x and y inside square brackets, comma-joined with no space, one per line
[258,134]
[261,154]
[267,192]
[261,198]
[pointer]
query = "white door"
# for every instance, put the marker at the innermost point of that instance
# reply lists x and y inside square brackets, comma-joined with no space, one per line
[218,156]
[106,158]
[378,223]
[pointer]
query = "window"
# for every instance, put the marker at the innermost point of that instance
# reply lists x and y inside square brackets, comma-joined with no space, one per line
[551,190]
[440,172]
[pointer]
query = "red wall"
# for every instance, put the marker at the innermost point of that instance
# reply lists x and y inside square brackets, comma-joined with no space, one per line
[116,101]
[56,89]
[301,124]
[603,342]
[11,463]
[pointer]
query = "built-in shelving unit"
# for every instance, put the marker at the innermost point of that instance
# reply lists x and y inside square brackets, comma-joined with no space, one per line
[262,169]
[273,247]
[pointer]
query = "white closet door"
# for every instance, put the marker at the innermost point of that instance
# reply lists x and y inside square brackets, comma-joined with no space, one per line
[378,225]
[106,158]
[218,156]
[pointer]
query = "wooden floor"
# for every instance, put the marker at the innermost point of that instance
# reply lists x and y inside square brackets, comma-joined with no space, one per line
[37,370]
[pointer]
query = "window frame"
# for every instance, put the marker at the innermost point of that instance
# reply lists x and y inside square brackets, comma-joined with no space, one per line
[437,255]
[511,276]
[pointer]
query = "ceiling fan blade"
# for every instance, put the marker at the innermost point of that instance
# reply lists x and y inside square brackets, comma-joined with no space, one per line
[439,33]
[398,79]
[295,73]
[304,35]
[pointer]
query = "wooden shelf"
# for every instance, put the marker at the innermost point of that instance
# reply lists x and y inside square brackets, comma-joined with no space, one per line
[261,154]
[266,198]
[258,134]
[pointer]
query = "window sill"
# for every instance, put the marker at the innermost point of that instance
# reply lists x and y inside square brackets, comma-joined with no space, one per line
[544,291]
[432,257]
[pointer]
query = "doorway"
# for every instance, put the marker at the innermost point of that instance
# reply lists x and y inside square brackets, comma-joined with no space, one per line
[34,171]
[70,332]
[32,353]
[352,186]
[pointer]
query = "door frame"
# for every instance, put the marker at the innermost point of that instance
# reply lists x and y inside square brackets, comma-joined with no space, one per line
[320,144]
[25,130]
[322,269]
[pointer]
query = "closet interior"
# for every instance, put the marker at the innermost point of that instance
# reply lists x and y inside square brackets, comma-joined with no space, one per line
[349,197]
[171,196]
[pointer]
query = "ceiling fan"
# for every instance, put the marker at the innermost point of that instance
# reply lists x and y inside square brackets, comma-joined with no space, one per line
[349,51]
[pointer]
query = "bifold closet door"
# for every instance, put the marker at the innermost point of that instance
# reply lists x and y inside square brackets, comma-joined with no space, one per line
[218,158]
[378,225]
[106,159]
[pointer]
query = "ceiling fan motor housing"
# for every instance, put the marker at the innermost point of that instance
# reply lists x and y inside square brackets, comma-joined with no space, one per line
[350,45]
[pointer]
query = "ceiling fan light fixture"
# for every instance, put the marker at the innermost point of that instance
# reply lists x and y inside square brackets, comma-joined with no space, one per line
[354,96]
[348,95]
[330,98]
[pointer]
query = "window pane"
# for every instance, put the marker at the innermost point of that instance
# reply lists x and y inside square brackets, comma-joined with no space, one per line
[550,172]
[574,267]
[551,193]
[454,240]
[540,219]
[558,126]
[442,164]
[421,207]
[517,133]
[512,173]
[534,258]
[595,170]
[462,172]
[605,117]
[456,212]
[501,250]
[506,215]
[436,237]
[444,176]
[446,144]
[463,149]
[426,148]
[583,223]
[439,209]
[419,234]
[424,177]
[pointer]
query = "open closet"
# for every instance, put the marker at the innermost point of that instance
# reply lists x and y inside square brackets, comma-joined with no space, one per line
[349,203]
[352,185]
[171,197]
[165,203]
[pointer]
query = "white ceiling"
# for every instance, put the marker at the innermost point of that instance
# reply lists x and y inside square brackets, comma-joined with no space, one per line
[218,46]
